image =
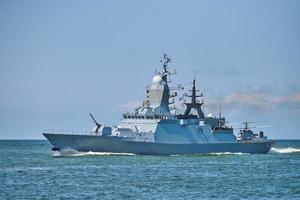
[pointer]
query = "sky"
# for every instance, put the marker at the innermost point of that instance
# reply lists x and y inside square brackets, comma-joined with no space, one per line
[61,60]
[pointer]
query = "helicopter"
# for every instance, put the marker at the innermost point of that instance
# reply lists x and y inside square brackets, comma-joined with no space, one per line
[246,133]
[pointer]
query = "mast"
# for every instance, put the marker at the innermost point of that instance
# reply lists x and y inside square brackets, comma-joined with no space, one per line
[220,107]
[194,104]
[158,93]
[165,60]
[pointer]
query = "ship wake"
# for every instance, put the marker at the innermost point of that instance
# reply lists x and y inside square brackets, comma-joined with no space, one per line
[285,150]
[228,153]
[74,153]
[212,154]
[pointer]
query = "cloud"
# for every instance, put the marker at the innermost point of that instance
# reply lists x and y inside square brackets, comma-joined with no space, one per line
[257,100]
[221,71]
[292,98]
[127,106]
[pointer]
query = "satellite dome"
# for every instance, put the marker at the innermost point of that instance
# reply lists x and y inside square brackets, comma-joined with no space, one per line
[156,79]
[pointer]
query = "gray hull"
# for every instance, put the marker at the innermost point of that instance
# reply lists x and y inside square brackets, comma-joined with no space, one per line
[85,143]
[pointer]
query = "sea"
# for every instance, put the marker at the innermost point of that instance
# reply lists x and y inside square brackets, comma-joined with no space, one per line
[30,170]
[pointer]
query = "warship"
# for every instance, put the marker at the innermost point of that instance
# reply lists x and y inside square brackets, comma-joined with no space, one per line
[154,127]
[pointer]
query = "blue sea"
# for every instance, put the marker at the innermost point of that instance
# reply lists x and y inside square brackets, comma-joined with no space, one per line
[29,170]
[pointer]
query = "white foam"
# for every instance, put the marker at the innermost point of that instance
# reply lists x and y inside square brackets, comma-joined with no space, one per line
[214,154]
[284,150]
[72,152]
[26,168]
[56,153]
[91,153]
[228,153]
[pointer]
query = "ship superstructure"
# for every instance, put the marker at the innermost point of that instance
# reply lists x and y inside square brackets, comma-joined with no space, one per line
[155,127]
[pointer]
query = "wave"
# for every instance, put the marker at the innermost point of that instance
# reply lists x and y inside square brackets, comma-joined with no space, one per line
[27,169]
[228,153]
[284,150]
[72,152]
[212,154]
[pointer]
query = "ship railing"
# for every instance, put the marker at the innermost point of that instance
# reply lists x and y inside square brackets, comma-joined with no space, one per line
[69,131]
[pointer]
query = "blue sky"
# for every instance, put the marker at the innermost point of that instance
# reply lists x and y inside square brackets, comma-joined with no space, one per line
[61,60]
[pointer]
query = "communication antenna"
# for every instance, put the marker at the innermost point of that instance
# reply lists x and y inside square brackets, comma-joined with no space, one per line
[220,107]
[165,60]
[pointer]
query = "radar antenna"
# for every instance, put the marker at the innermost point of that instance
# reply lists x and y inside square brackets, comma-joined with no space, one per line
[165,60]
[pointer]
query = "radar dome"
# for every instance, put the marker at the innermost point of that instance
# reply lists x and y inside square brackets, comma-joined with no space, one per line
[156,79]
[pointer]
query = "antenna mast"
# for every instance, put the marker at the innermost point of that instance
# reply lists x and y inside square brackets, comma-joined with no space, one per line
[165,60]
[194,103]
[220,107]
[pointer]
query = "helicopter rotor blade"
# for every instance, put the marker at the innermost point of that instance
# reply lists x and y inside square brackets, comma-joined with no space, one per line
[249,127]
[265,126]
[252,122]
